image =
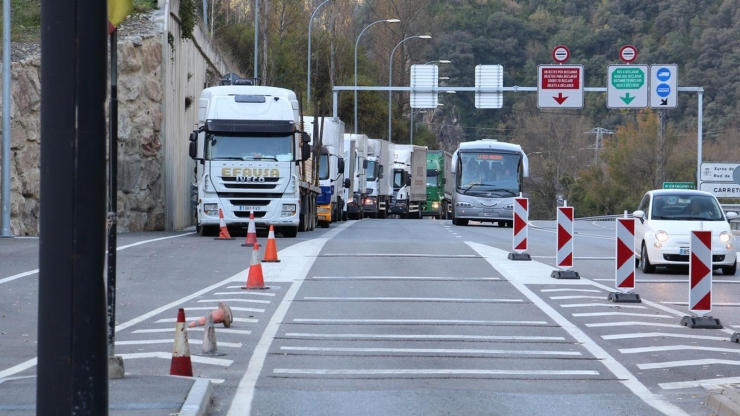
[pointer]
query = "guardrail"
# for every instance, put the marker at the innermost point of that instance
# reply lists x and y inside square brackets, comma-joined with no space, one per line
[734,224]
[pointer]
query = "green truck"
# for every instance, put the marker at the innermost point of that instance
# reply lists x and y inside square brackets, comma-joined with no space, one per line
[439,185]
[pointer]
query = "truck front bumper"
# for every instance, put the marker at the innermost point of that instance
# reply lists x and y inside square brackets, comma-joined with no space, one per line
[235,216]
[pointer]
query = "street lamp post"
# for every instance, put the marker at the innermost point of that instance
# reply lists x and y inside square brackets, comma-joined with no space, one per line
[356,45]
[390,82]
[308,79]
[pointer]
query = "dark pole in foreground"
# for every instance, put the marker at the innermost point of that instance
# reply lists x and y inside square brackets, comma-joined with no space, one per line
[112,191]
[72,354]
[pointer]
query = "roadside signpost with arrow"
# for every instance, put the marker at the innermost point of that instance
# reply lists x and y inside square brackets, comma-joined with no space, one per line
[560,86]
[627,85]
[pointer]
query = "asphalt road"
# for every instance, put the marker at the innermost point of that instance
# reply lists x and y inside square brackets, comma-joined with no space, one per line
[404,317]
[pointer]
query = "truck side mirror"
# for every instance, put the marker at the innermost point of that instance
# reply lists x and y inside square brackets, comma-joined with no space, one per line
[408,181]
[364,163]
[380,171]
[193,148]
[305,151]
[340,164]
[346,183]
[444,181]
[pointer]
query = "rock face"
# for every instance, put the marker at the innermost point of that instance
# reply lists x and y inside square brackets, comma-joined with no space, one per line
[140,182]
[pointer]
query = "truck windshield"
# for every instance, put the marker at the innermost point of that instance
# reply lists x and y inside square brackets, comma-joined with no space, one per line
[222,146]
[432,178]
[324,167]
[489,172]
[399,178]
[371,170]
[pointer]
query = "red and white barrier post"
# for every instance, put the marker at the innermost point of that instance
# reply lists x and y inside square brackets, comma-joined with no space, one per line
[521,230]
[564,244]
[625,270]
[700,282]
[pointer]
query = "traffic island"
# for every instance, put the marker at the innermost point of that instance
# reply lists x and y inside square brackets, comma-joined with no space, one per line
[619,297]
[725,401]
[701,322]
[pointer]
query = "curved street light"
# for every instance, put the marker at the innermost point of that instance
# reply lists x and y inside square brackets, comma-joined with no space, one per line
[439,61]
[308,80]
[356,45]
[390,82]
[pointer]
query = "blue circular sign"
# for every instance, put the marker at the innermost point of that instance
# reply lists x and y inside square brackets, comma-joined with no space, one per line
[663,90]
[664,74]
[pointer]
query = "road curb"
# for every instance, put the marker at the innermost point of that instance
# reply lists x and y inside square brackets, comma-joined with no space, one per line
[724,402]
[199,398]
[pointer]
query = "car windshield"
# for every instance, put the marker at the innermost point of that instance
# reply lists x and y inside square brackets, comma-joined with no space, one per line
[686,208]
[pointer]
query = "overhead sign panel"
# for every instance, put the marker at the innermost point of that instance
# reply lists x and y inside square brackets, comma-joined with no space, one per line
[489,76]
[722,190]
[663,86]
[424,76]
[560,86]
[627,86]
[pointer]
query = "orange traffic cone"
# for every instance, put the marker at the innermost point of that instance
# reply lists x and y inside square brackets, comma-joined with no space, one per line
[181,364]
[221,315]
[224,234]
[271,249]
[251,232]
[255,279]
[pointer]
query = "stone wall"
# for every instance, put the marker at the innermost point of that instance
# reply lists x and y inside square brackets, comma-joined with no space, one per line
[149,69]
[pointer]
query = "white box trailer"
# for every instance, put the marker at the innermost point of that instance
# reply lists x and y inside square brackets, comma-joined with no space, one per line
[409,180]
[327,134]
[252,157]
[379,178]
[358,179]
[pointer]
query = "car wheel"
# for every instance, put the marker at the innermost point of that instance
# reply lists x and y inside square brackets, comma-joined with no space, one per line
[730,270]
[647,268]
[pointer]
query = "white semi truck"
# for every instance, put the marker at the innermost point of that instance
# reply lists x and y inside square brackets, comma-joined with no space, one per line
[379,178]
[409,180]
[328,134]
[359,178]
[252,155]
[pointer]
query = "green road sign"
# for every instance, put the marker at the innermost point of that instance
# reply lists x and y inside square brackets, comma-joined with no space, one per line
[628,78]
[678,185]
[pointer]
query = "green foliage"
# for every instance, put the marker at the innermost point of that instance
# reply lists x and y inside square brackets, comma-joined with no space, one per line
[188,15]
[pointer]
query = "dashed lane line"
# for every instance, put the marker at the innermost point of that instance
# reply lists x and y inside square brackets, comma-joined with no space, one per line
[247,320]
[233,308]
[634,323]
[571,290]
[171,341]
[686,363]
[664,335]
[644,315]
[429,351]
[424,337]
[575,297]
[432,372]
[604,305]
[387,299]
[677,348]
[402,278]
[416,322]
[200,328]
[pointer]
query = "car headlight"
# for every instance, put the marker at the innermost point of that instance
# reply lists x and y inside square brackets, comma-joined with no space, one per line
[463,204]
[725,237]
[661,236]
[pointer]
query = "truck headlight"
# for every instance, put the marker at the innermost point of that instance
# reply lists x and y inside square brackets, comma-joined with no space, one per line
[323,210]
[288,210]
[210,210]
[435,205]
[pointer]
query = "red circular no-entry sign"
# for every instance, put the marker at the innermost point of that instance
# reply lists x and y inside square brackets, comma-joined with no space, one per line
[628,53]
[560,54]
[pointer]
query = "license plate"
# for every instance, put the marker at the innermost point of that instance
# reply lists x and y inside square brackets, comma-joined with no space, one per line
[684,251]
[248,208]
[488,214]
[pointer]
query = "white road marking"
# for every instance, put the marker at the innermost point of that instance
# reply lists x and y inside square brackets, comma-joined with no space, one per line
[404,255]
[382,299]
[713,303]
[419,321]
[634,323]
[272,287]
[248,320]
[170,341]
[571,290]
[433,372]
[219,330]
[233,308]
[401,278]
[683,281]
[677,348]
[235,300]
[305,254]
[246,292]
[666,335]
[425,337]
[646,315]
[575,297]
[168,356]
[18,368]
[697,383]
[498,259]
[430,351]
[685,363]
[608,305]
[35,271]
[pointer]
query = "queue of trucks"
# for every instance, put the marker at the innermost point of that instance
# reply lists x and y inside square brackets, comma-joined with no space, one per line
[256,155]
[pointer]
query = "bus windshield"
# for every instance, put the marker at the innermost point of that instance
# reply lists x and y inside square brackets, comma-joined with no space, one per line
[489,172]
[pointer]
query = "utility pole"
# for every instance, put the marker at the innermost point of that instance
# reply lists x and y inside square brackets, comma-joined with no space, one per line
[599,132]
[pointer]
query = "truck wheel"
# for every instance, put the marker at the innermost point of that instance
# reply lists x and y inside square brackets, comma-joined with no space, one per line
[344,215]
[461,222]
[324,224]
[207,230]
[289,232]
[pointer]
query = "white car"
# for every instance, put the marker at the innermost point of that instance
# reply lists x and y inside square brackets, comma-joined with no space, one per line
[665,219]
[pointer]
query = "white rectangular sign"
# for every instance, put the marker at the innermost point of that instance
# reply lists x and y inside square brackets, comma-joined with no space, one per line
[722,190]
[718,172]
[627,86]
[663,86]
[560,86]
[489,76]
[425,76]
